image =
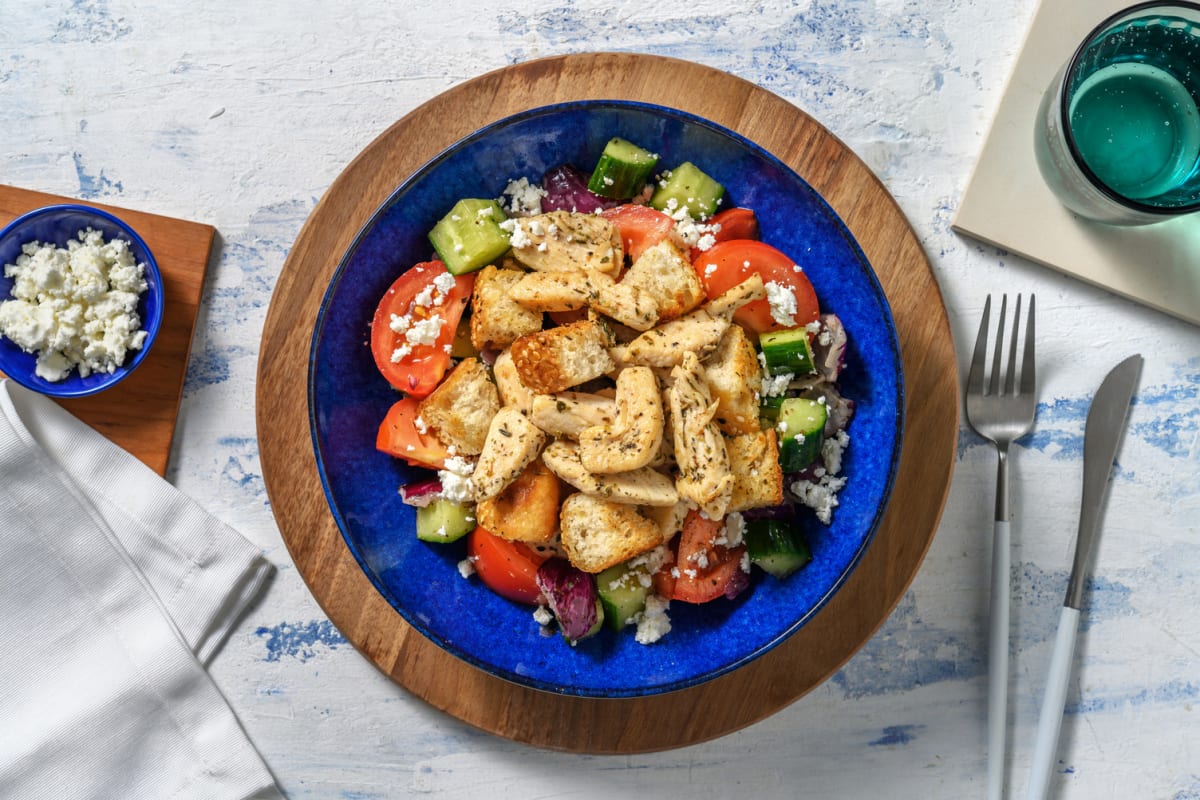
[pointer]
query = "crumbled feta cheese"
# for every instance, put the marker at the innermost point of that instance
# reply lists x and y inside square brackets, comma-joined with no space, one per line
[445,281]
[456,481]
[735,529]
[775,385]
[523,198]
[420,425]
[399,324]
[425,331]
[517,237]
[819,495]
[782,301]
[543,616]
[75,307]
[466,568]
[653,622]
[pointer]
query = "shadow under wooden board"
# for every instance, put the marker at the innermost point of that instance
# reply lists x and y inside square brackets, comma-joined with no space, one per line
[140,412]
[752,692]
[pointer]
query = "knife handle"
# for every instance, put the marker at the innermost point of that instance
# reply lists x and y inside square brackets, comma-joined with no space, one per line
[998,659]
[1045,748]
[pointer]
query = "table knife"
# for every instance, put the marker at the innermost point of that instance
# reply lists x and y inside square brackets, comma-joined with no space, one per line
[1102,435]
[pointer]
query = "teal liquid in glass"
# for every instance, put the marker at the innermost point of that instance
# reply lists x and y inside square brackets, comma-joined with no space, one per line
[1135,119]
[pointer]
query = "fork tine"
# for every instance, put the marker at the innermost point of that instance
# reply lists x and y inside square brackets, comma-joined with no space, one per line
[998,356]
[1028,368]
[975,376]
[1010,377]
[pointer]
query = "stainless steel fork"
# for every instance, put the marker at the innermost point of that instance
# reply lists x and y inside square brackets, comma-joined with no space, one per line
[1001,409]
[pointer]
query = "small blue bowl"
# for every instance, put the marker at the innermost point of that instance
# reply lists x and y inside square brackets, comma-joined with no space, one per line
[348,399]
[57,225]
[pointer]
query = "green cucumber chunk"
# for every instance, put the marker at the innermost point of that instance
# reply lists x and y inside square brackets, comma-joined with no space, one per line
[801,428]
[622,170]
[768,411]
[444,521]
[622,594]
[778,547]
[689,188]
[788,351]
[470,236]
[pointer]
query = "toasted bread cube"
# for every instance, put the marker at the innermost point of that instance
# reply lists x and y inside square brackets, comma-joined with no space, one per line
[527,509]
[597,534]
[757,477]
[554,360]
[496,319]
[735,379]
[665,273]
[552,291]
[460,409]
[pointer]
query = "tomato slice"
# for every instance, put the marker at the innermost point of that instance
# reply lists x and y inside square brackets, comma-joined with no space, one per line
[507,568]
[706,570]
[735,223]
[726,264]
[398,436]
[421,296]
[641,227]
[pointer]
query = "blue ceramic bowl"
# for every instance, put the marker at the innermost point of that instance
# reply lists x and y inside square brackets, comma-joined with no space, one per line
[58,225]
[348,399]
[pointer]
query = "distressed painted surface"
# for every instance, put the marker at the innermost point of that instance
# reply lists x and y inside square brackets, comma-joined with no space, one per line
[242,114]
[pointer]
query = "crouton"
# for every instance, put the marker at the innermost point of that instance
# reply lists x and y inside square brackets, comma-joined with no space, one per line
[512,442]
[598,534]
[462,406]
[508,383]
[757,476]
[665,273]
[565,240]
[496,319]
[556,359]
[735,378]
[527,509]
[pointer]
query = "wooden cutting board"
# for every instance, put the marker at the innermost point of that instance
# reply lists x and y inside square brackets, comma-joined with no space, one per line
[739,698]
[139,413]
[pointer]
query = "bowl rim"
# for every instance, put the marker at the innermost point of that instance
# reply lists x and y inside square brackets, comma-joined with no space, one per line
[662,687]
[150,325]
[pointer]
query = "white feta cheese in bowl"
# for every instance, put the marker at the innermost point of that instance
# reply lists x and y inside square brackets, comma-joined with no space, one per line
[81,300]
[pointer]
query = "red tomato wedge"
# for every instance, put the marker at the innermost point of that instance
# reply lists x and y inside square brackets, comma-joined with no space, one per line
[641,227]
[507,568]
[706,570]
[398,436]
[726,264]
[416,367]
[734,223]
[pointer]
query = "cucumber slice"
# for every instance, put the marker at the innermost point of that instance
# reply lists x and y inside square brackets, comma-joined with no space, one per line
[691,189]
[444,521]
[470,236]
[801,427]
[622,594]
[779,548]
[788,351]
[622,170]
[768,411]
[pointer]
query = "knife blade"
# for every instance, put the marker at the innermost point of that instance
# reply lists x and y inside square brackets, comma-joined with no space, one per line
[1101,438]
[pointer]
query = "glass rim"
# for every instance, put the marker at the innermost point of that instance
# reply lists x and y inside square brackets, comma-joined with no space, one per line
[1065,111]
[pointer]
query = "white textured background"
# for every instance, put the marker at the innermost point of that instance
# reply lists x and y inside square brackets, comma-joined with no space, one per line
[241,114]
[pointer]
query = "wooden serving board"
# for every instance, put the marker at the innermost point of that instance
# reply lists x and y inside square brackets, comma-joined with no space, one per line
[140,412]
[738,698]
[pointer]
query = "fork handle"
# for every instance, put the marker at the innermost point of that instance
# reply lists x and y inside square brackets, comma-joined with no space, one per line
[998,659]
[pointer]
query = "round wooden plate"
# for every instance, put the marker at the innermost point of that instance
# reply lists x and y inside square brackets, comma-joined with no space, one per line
[732,701]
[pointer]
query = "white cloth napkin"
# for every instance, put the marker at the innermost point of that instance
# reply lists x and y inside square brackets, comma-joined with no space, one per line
[115,591]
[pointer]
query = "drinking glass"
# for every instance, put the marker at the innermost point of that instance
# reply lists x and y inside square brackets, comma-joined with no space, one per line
[1118,131]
